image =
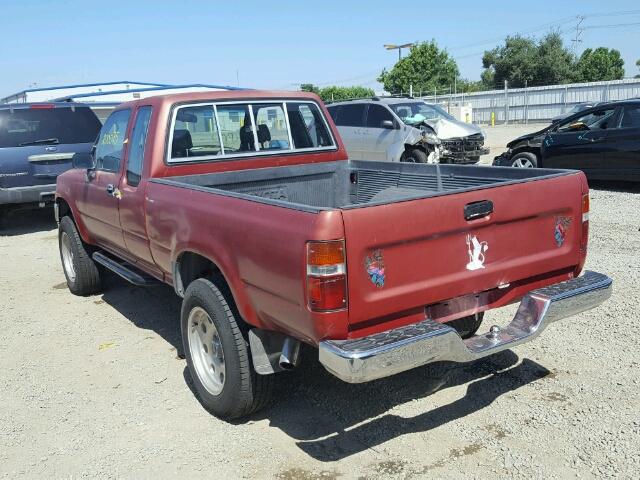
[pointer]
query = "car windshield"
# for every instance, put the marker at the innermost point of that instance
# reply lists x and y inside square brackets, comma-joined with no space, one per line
[34,126]
[578,108]
[413,113]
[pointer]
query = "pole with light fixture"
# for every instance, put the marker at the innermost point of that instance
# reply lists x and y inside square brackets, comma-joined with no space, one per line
[399,48]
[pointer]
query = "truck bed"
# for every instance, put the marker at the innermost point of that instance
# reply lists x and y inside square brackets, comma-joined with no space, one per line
[353,184]
[409,219]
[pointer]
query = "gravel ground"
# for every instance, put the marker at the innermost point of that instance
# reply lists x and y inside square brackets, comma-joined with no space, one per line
[95,388]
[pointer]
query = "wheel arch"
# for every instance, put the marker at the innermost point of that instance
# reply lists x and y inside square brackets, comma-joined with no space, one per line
[63,208]
[191,265]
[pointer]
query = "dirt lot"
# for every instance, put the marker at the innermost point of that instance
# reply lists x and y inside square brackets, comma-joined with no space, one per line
[498,136]
[95,388]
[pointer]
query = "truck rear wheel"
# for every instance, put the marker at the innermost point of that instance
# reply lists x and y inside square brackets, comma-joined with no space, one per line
[81,272]
[467,326]
[218,356]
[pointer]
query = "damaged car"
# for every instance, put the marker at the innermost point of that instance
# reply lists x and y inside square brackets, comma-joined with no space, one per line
[404,129]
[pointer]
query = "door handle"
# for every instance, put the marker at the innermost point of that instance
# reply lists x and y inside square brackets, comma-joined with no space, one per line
[479,209]
[112,191]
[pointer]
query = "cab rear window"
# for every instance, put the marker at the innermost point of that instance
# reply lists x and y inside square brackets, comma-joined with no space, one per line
[216,131]
[31,126]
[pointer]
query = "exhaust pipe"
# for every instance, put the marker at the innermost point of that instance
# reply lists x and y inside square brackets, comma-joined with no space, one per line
[290,355]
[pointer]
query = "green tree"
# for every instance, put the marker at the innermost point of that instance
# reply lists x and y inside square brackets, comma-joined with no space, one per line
[524,61]
[309,87]
[638,65]
[335,93]
[600,64]
[426,68]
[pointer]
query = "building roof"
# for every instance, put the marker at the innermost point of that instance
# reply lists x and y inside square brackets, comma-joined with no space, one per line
[137,87]
[149,89]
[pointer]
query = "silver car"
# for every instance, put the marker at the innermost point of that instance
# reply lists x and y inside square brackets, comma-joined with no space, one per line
[404,129]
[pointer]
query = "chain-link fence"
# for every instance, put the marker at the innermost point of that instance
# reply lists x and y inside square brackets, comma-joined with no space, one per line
[536,104]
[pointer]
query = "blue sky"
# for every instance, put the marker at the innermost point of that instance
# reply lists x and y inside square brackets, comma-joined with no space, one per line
[273,44]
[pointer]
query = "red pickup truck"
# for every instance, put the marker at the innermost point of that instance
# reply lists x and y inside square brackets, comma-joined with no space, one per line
[245,202]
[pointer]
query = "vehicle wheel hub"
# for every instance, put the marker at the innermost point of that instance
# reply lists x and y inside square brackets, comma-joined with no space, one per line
[67,257]
[523,163]
[205,347]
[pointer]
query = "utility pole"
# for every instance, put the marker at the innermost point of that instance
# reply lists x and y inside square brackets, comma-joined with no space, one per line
[579,29]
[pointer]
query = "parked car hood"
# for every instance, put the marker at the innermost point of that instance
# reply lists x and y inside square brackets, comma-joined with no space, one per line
[529,136]
[445,129]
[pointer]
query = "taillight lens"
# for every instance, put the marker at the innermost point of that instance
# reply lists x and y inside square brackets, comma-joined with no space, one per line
[585,222]
[326,276]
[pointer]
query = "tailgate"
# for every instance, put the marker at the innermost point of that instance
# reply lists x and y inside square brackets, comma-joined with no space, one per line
[414,253]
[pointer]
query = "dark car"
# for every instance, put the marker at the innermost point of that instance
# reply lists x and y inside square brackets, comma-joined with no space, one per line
[37,142]
[603,141]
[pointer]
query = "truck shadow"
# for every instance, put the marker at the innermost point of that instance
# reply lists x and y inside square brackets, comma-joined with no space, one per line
[615,186]
[153,308]
[331,420]
[24,221]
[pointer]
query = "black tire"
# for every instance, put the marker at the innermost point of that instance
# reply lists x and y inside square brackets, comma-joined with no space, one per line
[243,391]
[414,155]
[467,326]
[524,160]
[85,277]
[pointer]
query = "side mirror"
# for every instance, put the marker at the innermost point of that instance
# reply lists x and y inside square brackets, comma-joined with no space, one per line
[387,124]
[83,160]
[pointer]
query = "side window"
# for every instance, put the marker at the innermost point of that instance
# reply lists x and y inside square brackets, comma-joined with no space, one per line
[630,118]
[195,133]
[333,111]
[598,120]
[271,127]
[136,145]
[351,115]
[378,114]
[308,128]
[111,141]
[236,128]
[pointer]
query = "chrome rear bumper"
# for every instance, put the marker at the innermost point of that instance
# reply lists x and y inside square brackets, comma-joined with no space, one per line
[394,351]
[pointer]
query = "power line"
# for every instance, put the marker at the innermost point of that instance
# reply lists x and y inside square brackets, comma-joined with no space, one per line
[614,25]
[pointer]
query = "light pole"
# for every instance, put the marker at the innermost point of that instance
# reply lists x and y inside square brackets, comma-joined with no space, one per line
[399,48]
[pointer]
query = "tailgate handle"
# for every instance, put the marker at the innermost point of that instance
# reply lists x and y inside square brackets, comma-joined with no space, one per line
[479,209]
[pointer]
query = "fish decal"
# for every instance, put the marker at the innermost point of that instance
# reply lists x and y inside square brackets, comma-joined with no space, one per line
[374,265]
[561,229]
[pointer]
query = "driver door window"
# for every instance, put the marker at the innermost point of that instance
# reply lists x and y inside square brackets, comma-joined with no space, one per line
[598,120]
[376,115]
[111,141]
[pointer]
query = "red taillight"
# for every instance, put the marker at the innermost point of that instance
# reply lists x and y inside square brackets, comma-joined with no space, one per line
[43,106]
[327,293]
[326,276]
[584,240]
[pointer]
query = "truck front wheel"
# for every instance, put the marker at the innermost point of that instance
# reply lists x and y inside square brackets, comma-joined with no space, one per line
[414,155]
[81,272]
[218,356]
